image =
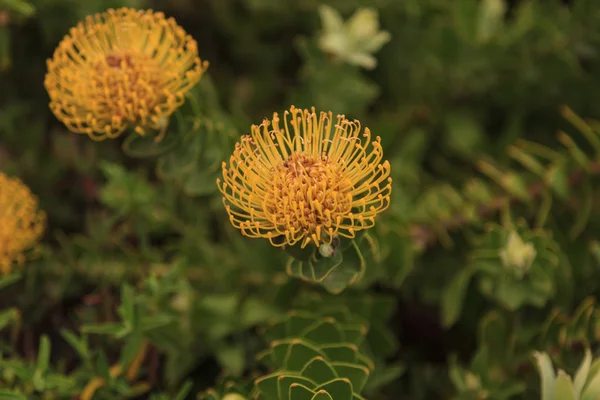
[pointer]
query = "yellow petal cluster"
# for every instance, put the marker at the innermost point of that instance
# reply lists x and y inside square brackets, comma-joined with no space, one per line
[21,222]
[122,69]
[306,178]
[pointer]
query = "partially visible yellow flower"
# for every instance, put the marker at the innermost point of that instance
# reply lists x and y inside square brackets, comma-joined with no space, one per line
[119,69]
[21,222]
[306,180]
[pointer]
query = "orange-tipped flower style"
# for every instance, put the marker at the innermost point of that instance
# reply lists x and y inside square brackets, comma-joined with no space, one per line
[21,223]
[122,68]
[306,180]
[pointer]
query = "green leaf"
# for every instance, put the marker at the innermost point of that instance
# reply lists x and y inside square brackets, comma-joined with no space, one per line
[356,374]
[322,267]
[294,354]
[181,159]
[490,19]
[322,395]
[60,382]
[381,378]
[8,316]
[286,382]
[454,296]
[495,336]
[6,394]
[220,304]
[154,322]
[524,21]
[592,389]
[464,18]
[339,389]
[581,375]
[301,254]
[547,375]
[43,359]
[112,329]
[339,279]
[301,392]
[130,349]
[557,177]
[201,180]
[324,331]
[22,7]
[516,186]
[127,307]
[138,146]
[583,212]
[232,358]
[7,280]
[294,268]
[102,367]
[184,391]
[341,352]
[319,370]
[269,385]
[594,370]
[255,311]
[464,132]
[332,86]
[330,272]
[78,344]
[587,129]
[563,387]
[512,295]
[347,243]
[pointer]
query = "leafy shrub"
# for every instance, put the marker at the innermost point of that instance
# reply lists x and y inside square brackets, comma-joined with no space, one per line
[263,199]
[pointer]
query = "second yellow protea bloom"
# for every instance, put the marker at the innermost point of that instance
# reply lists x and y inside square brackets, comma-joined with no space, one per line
[306,180]
[21,222]
[119,69]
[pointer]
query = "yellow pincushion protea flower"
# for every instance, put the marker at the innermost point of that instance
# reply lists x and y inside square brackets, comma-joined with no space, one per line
[21,222]
[119,69]
[307,180]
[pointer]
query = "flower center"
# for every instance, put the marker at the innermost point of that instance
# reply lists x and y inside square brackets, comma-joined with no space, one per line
[127,86]
[307,194]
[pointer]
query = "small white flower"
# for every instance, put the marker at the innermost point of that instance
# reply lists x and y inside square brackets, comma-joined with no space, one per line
[354,41]
[517,255]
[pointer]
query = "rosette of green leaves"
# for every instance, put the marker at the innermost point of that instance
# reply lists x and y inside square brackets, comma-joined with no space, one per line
[334,266]
[560,386]
[516,265]
[512,264]
[375,311]
[314,357]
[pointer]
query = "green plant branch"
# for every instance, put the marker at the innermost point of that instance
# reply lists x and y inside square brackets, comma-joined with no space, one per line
[424,235]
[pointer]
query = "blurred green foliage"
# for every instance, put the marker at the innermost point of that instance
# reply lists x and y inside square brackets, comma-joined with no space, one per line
[485,266]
